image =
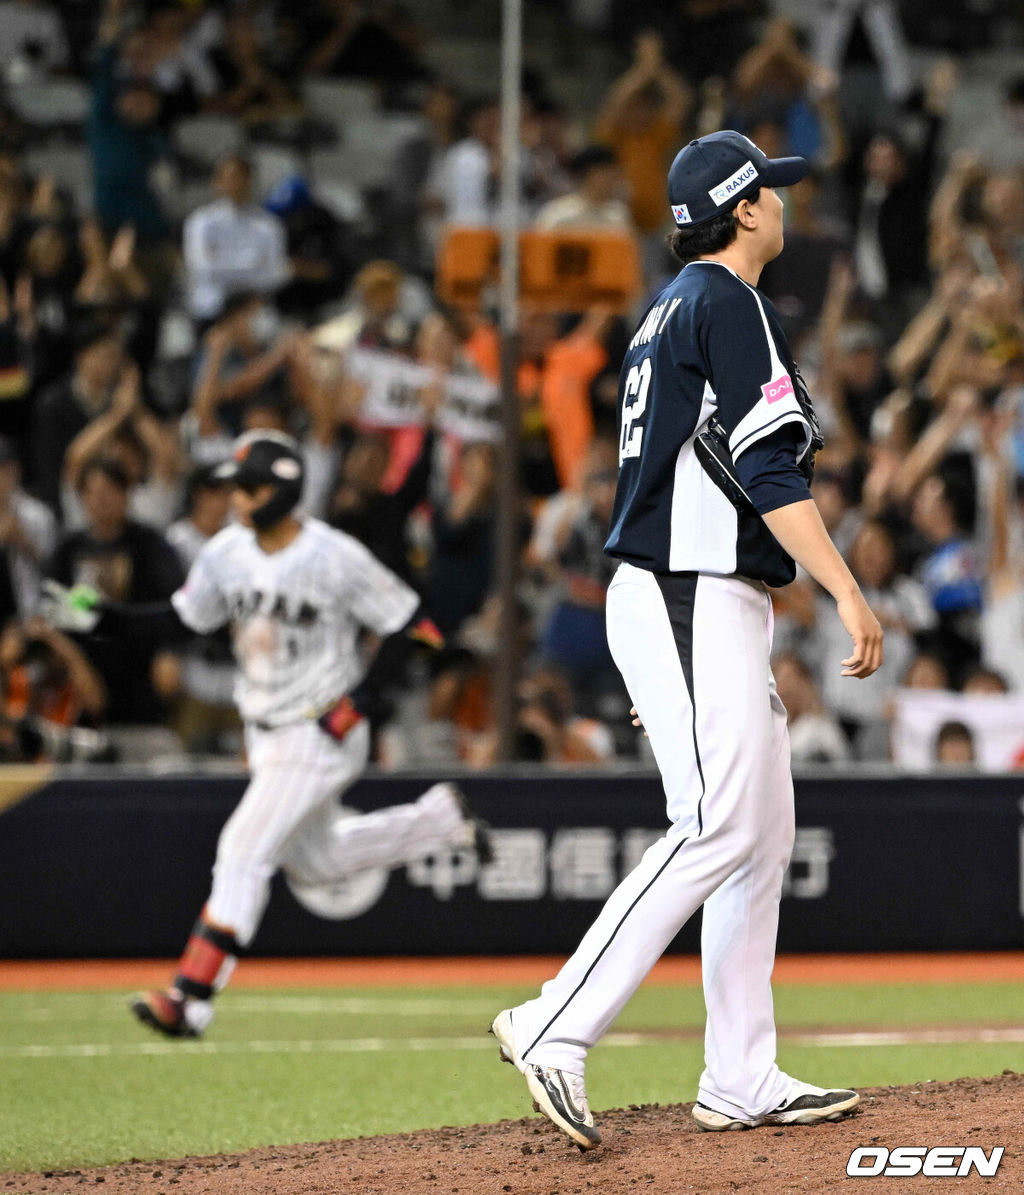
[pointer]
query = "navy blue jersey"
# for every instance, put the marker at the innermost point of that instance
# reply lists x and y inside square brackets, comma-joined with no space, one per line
[710,345]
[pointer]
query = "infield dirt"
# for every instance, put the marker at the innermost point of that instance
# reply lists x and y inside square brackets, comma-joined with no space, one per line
[653,1148]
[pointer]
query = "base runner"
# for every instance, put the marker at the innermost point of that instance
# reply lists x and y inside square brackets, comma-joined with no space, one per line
[296,594]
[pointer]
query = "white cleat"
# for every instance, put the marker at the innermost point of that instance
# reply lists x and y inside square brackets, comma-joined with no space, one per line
[805,1104]
[560,1095]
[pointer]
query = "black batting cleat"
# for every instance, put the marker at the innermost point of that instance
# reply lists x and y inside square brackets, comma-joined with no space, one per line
[170,1013]
[163,1011]
[478,831]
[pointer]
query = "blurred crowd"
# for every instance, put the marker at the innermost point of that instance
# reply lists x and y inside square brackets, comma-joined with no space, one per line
[209,272]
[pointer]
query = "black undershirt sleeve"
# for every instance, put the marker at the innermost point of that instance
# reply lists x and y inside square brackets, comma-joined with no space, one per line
[770,473]
[143,620]
[388,665]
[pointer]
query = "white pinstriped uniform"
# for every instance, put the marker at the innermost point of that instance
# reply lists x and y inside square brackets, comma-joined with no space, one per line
[295,616]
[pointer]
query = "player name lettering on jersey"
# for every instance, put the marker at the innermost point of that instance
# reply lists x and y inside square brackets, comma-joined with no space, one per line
[655,322]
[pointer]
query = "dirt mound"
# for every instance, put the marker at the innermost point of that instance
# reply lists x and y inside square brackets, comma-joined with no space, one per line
[655,1148]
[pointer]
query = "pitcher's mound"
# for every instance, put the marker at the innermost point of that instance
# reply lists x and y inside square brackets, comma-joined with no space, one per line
[655,1148]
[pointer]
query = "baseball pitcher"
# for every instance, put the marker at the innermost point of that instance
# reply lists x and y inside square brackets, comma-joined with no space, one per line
[717,441]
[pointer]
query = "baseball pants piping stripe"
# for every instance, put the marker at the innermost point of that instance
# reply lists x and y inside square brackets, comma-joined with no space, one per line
[735,864]
[601,952]
[679,602]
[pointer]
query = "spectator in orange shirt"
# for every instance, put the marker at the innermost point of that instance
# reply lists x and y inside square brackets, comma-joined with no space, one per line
[642,120]
[554,380]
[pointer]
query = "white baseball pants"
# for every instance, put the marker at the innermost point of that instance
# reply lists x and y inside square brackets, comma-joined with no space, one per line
[694,652]
[288,818]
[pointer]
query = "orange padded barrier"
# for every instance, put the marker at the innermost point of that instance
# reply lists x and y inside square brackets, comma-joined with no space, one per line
[563,271]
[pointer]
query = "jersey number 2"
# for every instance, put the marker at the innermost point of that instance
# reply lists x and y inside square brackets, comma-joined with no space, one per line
[634,403]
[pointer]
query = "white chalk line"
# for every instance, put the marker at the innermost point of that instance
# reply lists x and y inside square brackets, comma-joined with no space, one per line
[1002,1035]
[357,1006]
[381,1045]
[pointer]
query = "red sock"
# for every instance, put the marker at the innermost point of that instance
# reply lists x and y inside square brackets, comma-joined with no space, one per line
[209,957]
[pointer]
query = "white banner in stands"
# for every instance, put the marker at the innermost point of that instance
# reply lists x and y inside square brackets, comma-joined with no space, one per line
[995,723]
[470,409]
[393,395]
[393,386]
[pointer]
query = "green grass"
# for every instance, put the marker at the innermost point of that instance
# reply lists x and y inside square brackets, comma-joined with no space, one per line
[81,1083]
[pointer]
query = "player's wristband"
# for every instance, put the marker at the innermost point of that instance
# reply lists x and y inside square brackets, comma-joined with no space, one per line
[425,631]
[340,719]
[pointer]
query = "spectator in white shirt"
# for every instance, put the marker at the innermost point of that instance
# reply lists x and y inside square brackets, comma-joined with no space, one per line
[595,202]
[468,185]
[904,610]
[231,245]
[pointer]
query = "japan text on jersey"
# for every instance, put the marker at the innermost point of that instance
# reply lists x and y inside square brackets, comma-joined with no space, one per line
[295,615]
[710,345]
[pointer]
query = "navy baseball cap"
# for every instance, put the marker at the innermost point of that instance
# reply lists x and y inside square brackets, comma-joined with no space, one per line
[712,174]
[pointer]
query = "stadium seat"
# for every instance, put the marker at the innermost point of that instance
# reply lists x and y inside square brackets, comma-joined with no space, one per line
[339,100]
[208,138]
[271,164]
[51,102]
[70,166]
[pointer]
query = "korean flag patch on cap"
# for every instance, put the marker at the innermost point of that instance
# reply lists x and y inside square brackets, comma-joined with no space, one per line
[680,213]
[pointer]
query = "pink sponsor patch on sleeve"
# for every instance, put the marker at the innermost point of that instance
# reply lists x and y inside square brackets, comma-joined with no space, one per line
[777,388]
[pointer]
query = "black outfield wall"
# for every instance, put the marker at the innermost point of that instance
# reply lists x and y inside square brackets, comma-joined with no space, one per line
[119,866]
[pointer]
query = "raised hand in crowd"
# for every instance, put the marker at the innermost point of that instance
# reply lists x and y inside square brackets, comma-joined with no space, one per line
[96,436]
[940,86]
[476,492]
[45,202]
[13,533]
[972,353]
[122,251]
[1004,573]
[649,67]
[112,20]
[110,275]
[307,386]
[19,306]
[947,225]
[235,364]
[126,411]
[925,455]
[920,338]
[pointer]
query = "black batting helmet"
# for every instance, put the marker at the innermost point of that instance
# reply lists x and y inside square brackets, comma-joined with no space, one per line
[267,458]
